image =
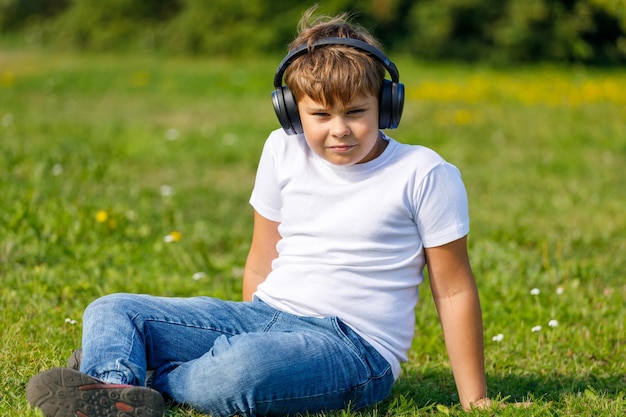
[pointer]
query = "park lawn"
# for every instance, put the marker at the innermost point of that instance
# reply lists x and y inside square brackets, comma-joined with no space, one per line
[132,173]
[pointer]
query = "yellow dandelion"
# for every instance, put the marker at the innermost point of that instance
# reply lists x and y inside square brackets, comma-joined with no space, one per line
[7,79]
[462,117]
[173,236]
[102,216]
[141,79]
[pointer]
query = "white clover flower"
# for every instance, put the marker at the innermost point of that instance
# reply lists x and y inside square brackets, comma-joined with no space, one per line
[167,190]
[236,271]
[560,290]
[535,291]
[7,120]
[229,139]
[198,275]
[536,329]
[57,169]
[131,215]
[70,321]
[498,338]
[172,134]
[553,323]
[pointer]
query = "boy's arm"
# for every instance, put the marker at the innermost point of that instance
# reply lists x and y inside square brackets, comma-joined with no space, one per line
[456,298]
[262,252]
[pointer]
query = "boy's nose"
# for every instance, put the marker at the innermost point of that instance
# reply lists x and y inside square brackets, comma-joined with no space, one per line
[339,127]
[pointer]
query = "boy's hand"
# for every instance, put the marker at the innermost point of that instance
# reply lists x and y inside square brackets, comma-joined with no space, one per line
[486,403]
[482,404]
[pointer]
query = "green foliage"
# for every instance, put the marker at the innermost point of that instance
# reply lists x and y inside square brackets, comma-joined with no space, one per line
[16,14]
[231,26]
[103,156]
[509,31]
[520,30]
[117,23]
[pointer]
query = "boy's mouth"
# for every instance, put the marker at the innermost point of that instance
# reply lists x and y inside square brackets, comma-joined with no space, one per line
[342,148]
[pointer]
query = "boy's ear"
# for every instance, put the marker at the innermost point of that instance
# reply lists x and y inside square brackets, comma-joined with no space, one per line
[286,109]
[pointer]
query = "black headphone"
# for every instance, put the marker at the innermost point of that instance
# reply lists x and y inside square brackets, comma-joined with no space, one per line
[390,99]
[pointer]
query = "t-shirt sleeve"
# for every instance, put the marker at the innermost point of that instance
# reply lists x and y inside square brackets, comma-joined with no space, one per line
[265,198]
[442,213]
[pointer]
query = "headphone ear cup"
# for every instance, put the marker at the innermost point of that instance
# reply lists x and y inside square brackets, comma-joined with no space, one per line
[286,109]
[385,106]
[390,105]
[291,106]
[397,104]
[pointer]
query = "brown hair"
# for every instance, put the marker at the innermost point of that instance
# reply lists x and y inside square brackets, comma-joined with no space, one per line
[334,73]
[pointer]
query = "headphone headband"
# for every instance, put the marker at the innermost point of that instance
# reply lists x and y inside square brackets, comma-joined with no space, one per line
[351,42]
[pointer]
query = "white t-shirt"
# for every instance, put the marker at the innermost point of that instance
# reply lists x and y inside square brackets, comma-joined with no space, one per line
[353,237]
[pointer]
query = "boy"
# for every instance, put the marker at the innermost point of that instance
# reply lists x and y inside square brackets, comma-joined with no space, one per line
[345,219]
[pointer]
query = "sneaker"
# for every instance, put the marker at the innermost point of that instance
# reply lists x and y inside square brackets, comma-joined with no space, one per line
[64,392]
[77,356]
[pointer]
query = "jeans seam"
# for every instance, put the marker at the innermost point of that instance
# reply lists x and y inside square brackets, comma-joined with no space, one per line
[192,325]
[298,397]
[271,323]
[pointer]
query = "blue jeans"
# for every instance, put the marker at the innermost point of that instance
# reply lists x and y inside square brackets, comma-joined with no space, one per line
[225,358]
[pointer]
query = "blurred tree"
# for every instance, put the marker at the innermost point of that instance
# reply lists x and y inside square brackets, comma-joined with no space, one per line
[111,23]
[452,28]
[15,14]
[588,31]
[230,26]
[609,32]
[509,31]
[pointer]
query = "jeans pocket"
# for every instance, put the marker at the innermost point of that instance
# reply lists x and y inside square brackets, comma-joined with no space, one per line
[371,358]
[379,381]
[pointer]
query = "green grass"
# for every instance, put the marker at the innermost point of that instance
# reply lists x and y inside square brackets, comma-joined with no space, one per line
[542,151]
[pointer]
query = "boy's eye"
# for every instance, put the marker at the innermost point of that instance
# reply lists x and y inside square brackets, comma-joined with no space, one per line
[324,114]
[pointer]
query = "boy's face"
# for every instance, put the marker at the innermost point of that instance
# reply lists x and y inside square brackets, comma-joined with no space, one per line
[344,134]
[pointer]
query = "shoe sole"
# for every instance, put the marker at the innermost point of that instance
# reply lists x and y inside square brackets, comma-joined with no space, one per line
[63,392]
